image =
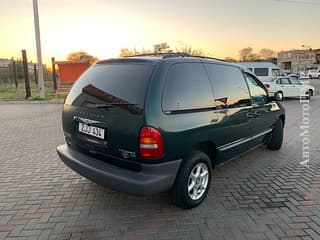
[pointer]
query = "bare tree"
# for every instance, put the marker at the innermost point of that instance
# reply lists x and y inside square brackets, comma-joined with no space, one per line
[125,52]
[189,49]
[247,54]
[82,55]
[267,54]
[161,48]
[230,59]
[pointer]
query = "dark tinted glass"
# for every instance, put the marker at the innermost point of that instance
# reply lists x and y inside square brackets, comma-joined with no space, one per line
[261,71]
[258,93]
[187,87]
[229,87]
[125,82]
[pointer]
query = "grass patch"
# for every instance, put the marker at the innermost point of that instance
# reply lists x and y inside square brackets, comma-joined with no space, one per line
[8,92]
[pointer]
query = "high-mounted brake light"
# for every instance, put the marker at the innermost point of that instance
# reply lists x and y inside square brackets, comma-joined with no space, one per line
[151,143]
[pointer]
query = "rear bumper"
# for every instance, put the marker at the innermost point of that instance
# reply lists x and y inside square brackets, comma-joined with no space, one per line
[153,178]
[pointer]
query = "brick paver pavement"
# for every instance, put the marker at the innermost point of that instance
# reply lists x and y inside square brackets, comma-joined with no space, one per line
[261,195]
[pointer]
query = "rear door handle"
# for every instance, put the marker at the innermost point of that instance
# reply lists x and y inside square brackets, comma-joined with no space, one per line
[257,114]
[249,115]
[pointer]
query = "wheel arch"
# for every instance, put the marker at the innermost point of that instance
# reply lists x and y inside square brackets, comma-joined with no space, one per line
[209,148]
[311,91]
[282,118]
[279,91]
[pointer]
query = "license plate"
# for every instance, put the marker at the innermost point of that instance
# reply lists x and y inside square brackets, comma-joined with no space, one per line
[91,130]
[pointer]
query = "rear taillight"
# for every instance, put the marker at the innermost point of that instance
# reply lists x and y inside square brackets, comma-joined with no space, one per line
[267,85]
[151,143]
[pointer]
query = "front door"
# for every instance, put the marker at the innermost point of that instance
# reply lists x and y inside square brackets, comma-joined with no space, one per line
[296,87]
[262,110]
[285,86]
[233,128]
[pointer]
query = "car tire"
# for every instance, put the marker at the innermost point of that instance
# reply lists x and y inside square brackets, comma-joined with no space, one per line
[195,171]
[276,139]
[279,92]
[309,94]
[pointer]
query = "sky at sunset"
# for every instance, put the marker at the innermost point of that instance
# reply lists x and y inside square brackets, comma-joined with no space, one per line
[102,27]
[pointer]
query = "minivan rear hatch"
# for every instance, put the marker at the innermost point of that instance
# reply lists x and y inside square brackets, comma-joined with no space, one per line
[103,112]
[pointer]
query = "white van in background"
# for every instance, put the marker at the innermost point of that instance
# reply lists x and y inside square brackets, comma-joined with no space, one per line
[263,70]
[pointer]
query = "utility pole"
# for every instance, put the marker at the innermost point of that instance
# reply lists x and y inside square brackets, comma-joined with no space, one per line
[38,45]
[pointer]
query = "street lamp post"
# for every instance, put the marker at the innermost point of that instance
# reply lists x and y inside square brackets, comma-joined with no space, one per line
[38,45]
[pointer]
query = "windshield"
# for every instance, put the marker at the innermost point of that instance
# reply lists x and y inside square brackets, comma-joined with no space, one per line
[114,82]
[276,72]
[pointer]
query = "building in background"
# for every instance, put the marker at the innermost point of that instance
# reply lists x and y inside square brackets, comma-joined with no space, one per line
[4,62]
[295,61]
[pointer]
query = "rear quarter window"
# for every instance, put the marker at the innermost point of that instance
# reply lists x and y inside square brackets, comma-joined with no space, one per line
[186,88]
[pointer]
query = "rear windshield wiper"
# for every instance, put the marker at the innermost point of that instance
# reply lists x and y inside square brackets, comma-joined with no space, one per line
[110,105]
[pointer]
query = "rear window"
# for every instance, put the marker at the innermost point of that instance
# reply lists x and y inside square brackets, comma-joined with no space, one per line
[261,71]
[117,82]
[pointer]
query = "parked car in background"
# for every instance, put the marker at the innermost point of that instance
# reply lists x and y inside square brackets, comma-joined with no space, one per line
[148,124]
[263,70]
[291,75]
[288,87]
[314,73]
[302,76]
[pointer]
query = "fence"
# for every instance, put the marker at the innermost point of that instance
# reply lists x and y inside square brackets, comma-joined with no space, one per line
[12,79]
[7,73]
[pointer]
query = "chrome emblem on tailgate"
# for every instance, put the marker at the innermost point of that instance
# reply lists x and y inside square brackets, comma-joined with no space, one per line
[85,120]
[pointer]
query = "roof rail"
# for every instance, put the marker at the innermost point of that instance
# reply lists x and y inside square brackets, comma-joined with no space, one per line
[172,55]
[213,58]
[178,54]
[163,55]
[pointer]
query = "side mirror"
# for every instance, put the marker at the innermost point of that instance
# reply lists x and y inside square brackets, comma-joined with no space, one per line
[278,96]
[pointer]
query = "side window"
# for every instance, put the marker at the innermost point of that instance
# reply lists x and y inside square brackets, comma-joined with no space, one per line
[258,93]
[275,72]
[261,71]
[229,87]
[284,81]
[295,81]
[187,87]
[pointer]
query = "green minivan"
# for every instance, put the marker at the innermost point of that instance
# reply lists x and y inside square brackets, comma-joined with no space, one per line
[149,124]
